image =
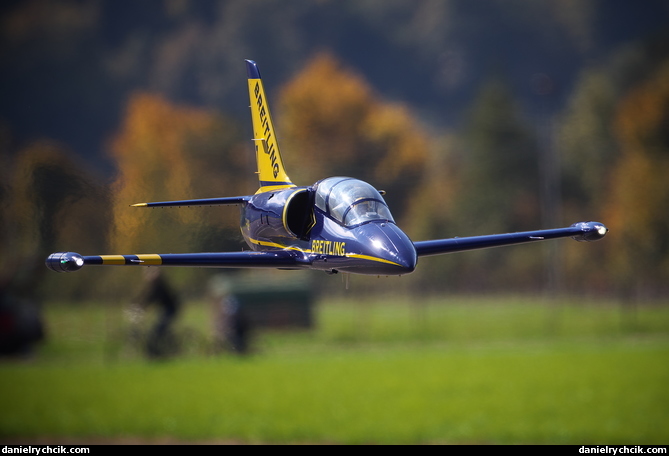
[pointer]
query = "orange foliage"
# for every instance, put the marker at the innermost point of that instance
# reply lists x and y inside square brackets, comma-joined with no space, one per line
[333,124]
[322,111]
[637,210]
[162,153]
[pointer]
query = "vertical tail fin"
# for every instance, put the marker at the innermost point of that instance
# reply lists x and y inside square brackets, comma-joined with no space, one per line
[271,171]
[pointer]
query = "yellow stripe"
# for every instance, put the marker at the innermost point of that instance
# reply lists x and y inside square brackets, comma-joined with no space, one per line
[150,259]
[348,255]
[139,205]
[279,246]
[371,258]
[112,259]
[273,188]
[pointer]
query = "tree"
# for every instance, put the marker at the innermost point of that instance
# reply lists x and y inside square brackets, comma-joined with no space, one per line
[51,204]
[332,123]
[588,144]
[499,164]
[589,149]
[639,189]
[169,152]
[497,187]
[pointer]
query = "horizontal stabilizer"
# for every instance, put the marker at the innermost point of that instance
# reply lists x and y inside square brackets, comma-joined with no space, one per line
[197,202]
[582,231]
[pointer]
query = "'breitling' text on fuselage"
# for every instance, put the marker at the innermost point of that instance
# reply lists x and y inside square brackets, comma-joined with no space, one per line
[328,247]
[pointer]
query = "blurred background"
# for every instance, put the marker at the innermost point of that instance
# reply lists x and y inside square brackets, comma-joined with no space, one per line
[476,118]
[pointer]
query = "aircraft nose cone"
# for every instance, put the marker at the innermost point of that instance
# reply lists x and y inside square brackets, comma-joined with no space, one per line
[394,250]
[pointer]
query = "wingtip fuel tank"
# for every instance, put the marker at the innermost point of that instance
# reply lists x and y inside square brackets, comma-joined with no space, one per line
[64,262]
[591,231]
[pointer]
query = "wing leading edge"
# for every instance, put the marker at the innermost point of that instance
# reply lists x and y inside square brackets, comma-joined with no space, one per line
[197,202]
[282,259]
[582,231]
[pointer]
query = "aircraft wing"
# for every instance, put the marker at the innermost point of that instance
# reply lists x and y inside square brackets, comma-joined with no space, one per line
[582,231]
[282,259]
[197,202]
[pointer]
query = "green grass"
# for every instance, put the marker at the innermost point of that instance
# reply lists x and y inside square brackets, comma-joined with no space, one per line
[465,370]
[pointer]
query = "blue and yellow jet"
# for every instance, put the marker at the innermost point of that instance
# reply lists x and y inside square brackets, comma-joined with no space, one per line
[337,224]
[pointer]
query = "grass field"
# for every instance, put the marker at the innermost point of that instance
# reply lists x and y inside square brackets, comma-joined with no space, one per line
[456,370]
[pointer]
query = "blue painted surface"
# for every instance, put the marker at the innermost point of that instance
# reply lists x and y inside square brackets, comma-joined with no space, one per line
[252,70]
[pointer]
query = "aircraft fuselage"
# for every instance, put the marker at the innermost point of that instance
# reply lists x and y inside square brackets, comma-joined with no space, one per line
[289,219]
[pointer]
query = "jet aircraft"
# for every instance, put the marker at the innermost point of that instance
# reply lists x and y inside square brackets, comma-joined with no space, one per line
[338,224]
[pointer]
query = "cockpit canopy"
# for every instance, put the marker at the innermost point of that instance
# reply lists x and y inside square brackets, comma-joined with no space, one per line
[351,201]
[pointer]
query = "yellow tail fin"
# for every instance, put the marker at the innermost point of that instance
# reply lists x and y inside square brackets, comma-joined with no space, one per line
[271,171]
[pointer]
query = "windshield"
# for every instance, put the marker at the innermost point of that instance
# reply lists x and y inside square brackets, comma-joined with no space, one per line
[351,201]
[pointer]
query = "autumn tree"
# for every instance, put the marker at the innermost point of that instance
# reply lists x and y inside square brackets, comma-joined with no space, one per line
[170,152]
[333,123]
[636,212]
